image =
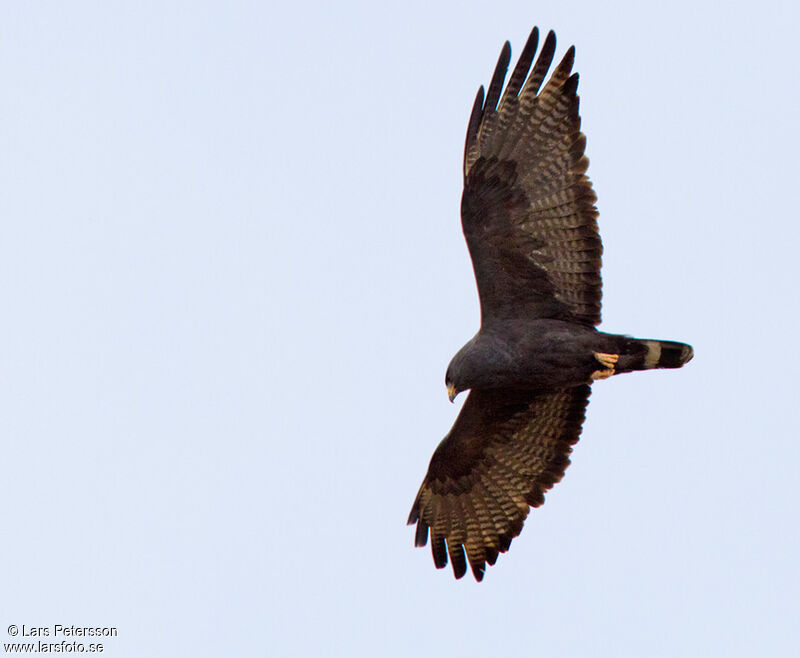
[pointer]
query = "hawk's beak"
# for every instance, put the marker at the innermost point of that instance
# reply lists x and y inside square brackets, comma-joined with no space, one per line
[451,391]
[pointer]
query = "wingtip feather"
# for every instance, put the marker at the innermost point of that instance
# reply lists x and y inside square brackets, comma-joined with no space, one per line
[421,535]
[439,551]
[499,75]
[457,559]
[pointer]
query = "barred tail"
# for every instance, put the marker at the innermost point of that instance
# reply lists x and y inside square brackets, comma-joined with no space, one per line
[649,354]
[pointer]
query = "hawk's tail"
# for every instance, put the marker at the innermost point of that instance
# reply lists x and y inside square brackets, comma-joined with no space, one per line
[648,354]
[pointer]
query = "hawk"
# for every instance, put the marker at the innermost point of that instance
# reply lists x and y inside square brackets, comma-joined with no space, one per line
[530,223]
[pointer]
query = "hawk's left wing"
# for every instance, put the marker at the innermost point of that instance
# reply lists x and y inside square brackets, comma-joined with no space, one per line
[528,209]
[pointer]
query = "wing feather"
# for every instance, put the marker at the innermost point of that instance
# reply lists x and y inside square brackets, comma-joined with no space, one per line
[498,77]
[541,67]
[517,78]
[471,146]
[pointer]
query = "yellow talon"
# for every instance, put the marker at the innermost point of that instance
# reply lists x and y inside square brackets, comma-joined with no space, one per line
[602,374]
[608,360]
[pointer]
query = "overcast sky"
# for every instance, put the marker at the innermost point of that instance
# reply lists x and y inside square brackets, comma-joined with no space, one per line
[232,275]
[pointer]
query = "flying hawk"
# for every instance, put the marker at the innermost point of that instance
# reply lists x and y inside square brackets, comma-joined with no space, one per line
[530,222]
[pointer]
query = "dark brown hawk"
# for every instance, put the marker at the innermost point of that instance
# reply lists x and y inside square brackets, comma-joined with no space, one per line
[530,222]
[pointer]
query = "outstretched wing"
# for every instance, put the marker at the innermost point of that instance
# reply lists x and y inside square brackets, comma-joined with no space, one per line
[528,209]
[506,448]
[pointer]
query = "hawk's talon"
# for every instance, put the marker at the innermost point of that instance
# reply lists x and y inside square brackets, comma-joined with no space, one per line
[608,360]
[602,374]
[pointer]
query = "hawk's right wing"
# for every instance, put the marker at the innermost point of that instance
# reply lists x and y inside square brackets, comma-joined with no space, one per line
[506,448]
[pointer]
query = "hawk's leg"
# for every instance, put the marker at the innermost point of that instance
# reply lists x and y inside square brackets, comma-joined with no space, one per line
[609,361]
[602,374]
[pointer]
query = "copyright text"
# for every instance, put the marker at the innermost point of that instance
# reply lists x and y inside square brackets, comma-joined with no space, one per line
[58,638]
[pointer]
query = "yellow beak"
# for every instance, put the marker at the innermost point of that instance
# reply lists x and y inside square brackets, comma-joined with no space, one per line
[451,392]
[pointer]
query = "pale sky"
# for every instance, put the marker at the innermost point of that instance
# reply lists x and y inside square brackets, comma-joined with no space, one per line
[232,275]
